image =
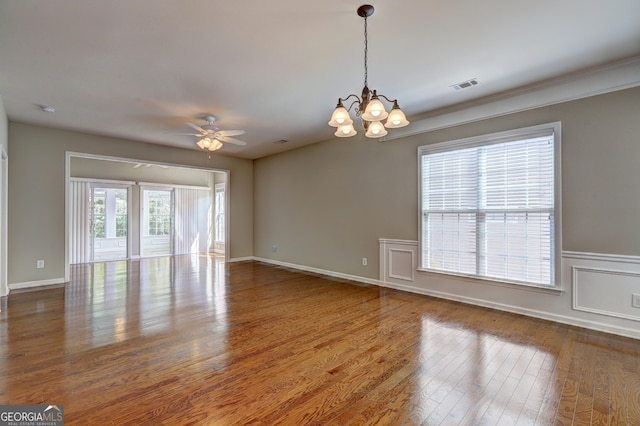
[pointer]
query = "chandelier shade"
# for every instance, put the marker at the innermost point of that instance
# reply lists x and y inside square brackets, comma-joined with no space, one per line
[396,118]
[346,131]
[375,109]
[340,116]
[368,106]
[376,130]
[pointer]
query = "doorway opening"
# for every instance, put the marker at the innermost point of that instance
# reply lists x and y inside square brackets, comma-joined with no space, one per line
[125,209]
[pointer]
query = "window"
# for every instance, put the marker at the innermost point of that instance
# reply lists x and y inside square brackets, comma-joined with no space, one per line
[219,212]
[121,216]
[99,214]
[158,212]
[109,217]
[108,223]
[489,206]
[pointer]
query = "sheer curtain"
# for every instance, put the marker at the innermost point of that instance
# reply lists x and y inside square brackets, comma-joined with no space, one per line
[80,219]
[191,209]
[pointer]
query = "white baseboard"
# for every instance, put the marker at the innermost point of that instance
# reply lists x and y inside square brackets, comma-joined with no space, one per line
[592,325]
[241,259]
[620,330]
[321,271]
[32,284]
[632,332]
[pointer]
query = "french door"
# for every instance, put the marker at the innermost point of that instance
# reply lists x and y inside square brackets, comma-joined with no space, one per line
[109,223]
[157,222]
[109,220]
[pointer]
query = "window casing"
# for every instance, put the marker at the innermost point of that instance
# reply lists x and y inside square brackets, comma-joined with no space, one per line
[490,206]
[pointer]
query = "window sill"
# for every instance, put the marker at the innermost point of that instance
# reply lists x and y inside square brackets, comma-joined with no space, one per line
[499,283]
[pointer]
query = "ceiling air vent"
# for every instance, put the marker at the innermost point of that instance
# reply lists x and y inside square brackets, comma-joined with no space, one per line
[465,84]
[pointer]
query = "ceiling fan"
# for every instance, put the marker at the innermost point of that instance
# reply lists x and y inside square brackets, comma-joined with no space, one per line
[211,137]
[147,165]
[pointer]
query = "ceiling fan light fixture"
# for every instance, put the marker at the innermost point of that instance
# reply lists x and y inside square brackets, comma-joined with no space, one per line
[204,143]
[215,145]
[212,138]
[370,109]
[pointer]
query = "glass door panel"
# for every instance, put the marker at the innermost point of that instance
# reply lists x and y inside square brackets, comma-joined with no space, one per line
[157,222]
[219,221]
[109,223]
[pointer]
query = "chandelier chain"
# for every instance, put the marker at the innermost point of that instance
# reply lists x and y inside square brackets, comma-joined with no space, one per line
[366,49]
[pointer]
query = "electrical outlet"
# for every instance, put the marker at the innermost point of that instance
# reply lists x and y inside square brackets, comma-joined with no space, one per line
[364,261]
[635,300]
[274,248]
[40,264]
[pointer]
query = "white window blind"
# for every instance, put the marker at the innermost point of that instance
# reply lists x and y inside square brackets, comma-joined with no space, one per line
[488,207]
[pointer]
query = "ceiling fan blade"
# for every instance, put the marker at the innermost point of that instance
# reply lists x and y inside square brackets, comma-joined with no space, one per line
[147,165]
[187,134]
[233,141]
[230,132]
[196,127]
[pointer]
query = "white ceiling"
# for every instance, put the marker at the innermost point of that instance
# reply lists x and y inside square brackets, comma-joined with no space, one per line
[139,69]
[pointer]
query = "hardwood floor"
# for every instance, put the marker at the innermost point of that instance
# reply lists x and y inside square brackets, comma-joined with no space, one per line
[190,340]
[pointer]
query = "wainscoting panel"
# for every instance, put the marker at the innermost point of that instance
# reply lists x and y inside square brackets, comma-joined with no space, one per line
[604,284]
[595,290]
[402,264]
[605,292]
[398,259]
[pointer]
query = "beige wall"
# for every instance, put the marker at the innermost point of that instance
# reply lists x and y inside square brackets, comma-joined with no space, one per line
[37,193]
[4,144]
[326,205]
[4,126]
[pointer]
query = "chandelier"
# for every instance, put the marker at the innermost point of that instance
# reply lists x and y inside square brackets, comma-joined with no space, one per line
[368,106]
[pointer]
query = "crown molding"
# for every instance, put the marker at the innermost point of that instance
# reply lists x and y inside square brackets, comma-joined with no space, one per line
[589,82]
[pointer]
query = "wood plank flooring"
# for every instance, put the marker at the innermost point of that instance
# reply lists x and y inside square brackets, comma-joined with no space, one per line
[192,340]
